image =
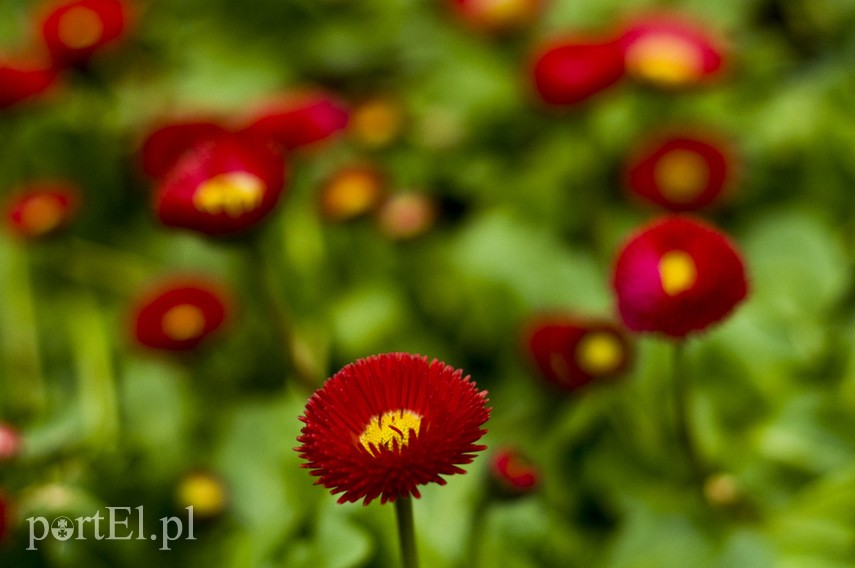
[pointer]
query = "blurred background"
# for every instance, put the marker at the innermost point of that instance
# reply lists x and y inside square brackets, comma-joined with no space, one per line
[461,203]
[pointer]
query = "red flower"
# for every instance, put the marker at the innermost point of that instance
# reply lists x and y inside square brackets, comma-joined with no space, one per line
[299,120]
[676,276]
[669,51]
[75,31]
[42,209]
[10,442]
[497,15]
[23,79]
[165,145]
[4,517]
[571,353]
[407,215]
[512,473]
[351,192]
[180,315]
[388,423]
[221,186]
[569,72]
[680,172]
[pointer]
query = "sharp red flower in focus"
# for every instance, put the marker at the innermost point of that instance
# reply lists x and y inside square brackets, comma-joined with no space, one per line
[497,16]
[512,474]
[24,78]
[75,31]
[680,172]
[166,144]
[42,209]
[10,442]
[221,186]
[677,276]
[670,51]
[351,192]
[571,71]
[300,119]
[572,352]
[179,315]
[388,423]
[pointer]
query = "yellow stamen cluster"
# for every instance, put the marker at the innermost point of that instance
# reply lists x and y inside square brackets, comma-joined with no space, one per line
[681,175]
[677,271]
[234,194]
[41,214]
[80,28]
[664,60]
[389,430]
[184,321]
[599,352]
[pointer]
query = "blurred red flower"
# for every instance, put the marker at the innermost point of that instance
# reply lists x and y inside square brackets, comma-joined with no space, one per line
[680,172]
[407,215]
[570,71]
[670,51]
[4,517]
[512,473]
[75,31]
[179,315]
[300,119]
[224,185]
[351,192]
[676,276]
[10,442]
[572,352]
[497,15]
[42,209]
[23,78]
[166,144]
[388,423]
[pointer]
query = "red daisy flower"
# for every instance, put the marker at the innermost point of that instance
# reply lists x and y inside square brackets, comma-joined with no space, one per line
[680,172]
[24,78]
[388,423]
[222,186]
[42,209]
[165,145]
[351,192]
[512,473]
[670,51]
[571,353]
[571,71]
[497,15]
[407,215]
[179,315]
[300,119]
[676,276]
[75,31]
[10,442]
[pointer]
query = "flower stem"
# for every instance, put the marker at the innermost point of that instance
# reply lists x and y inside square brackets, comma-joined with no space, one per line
[406,532]
[684,426]
[476,532]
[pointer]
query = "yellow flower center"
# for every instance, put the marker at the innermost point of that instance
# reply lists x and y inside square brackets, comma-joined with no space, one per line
[184,321]
[80,28]
[599,352]
[506,12]
[391,429]
[377,122]
[204,493]
[234,194]
[42,214]
[351,194]
[677,271]
[681,175]
[664,60]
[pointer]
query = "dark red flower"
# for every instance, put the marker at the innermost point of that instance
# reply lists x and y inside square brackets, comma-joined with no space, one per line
[407,215]
[10,442]
[22,79]
[512,473]
[222,186]
[573,70]
[680,172]
[388,423]
[676,276]
[497,15]
[179,315]
[4,517]
[42,209]
[670,51]
[165,145]
[350,192]
[75,31]
[573,352]
[299,119]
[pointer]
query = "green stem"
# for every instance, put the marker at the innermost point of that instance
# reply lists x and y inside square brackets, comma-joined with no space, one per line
[476,532]
[683,407]
[406,532]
